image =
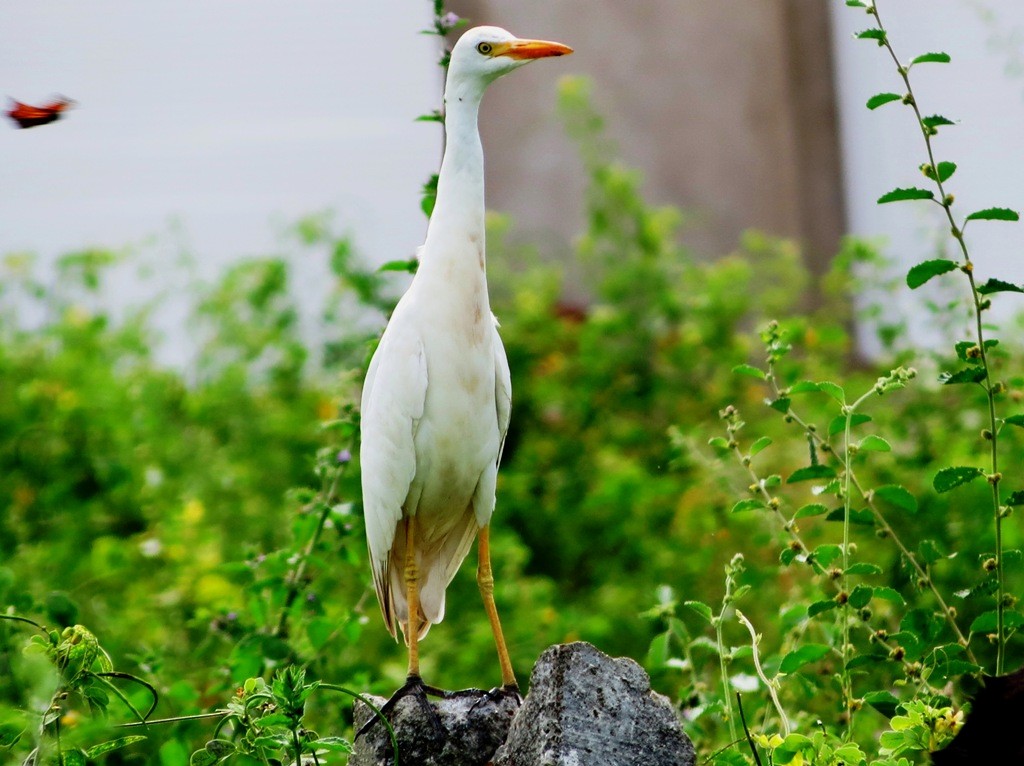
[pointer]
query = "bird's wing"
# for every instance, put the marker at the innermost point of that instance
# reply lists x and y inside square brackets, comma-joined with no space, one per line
[392,404]
[502,389]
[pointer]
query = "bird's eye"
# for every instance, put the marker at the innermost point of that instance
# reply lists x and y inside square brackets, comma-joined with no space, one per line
[485,48]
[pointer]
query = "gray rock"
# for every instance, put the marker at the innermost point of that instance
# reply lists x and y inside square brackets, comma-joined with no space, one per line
[587,709]
[474,725]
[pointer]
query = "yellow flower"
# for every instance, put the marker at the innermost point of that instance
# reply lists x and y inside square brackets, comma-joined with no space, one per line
[193,512]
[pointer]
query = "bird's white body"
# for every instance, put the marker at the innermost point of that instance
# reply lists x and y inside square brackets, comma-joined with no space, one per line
[437,396]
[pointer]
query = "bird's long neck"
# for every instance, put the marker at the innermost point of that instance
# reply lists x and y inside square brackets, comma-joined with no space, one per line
[454,248]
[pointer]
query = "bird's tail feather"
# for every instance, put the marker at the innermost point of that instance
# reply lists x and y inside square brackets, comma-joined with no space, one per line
[439,560]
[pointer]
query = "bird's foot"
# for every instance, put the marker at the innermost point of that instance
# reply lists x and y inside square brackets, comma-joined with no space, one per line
[497,694]
[414,687]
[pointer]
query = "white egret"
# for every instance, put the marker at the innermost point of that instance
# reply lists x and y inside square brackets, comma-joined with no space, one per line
[437,395]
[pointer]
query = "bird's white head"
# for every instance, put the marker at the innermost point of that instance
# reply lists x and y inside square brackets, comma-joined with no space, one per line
[484,54]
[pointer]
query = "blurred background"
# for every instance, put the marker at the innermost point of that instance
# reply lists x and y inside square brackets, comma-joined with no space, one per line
[207,129]
[189,289]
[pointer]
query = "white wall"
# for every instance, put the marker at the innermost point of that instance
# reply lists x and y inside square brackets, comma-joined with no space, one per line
[983,89]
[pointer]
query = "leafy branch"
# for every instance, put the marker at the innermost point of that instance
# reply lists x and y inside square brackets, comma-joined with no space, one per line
[939,173]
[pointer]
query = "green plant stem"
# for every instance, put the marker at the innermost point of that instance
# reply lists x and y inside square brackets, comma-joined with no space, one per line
[174,719]
[770,684]
[33,623]
[847,648]
[945,201]
[773,505]
[880,520]
[299,572]
[376,711]
[723,665]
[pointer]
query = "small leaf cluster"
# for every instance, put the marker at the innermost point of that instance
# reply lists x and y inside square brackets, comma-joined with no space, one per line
[83,682]
[268,721]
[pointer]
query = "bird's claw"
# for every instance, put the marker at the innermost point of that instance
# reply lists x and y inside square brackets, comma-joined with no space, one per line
[415,687]
[497,693]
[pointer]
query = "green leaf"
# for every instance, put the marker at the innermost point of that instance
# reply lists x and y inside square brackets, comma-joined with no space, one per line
[922,272]
[994,285]
[935,121]
[966,375]
[781,404]
[946,669]
[759,445]
[202,758]
[834,390]
[872,34]
[749,369]
[112,745]
[826,554]
[838,424]
[872,443]
[804,387]
[805,655]
[863,568]
[319,631]
[860,516]
[428,195]
[818,607]
[897,496]
[409,264]
[880,99]
[951,478]
[720,444]
[988,622]
[700,608]
[1013,557]
[1016,498]
[931,58]
[882,701]
[753,504]
[945,171]
[902,195]
[856,3]
[889,594]
[964,347]
[922,623]
[10,734]
[985,587]
[658,653]
[334,744]
[1015,420]
[814,509]
[76,757]
[994,214]
[787,752]
[860,596]
[811,472]
[787,556]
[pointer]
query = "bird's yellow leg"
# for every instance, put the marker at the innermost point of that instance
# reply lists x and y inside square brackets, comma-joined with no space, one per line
[412,584]
[485,579]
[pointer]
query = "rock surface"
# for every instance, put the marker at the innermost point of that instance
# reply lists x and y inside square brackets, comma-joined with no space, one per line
[474,724]
[587,709]
[584,709]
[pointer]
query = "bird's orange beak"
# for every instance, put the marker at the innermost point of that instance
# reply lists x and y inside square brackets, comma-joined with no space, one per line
[531,49]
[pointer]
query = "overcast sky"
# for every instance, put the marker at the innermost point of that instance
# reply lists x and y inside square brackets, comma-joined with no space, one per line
[230,119]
